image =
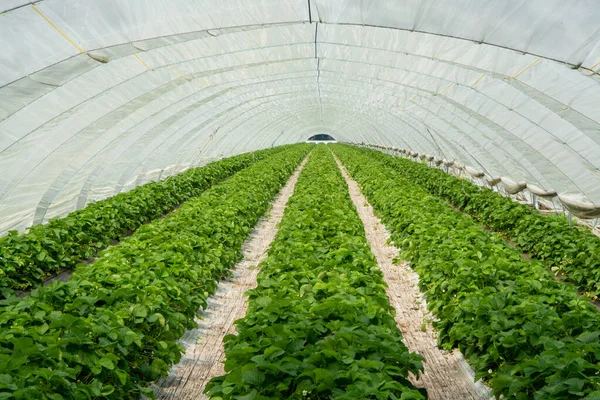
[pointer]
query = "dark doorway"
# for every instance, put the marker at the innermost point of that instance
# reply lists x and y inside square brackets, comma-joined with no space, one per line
[321,137]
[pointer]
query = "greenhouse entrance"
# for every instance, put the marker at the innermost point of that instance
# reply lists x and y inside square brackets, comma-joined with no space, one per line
[321,138]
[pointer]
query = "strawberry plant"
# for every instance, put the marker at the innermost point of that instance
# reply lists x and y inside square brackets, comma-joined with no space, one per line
[529,335]
[114,325]
[319,324]
[571,252]
[26,259]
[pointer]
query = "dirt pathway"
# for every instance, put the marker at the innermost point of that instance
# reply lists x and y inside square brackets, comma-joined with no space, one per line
[447,375]
[204,346]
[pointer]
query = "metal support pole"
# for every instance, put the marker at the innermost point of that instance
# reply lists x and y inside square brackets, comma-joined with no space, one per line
[554,207]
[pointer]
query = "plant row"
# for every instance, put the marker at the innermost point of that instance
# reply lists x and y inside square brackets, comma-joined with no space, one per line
[319,324]
[114,325]
[27,259]
[528,334]
[572,252]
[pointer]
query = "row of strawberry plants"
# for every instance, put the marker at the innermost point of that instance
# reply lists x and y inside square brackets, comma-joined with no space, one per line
[529,335]
[27,258]
[114,325]
[573,252]
[319,324]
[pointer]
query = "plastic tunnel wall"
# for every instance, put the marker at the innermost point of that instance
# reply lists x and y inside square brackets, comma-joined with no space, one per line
[97,97]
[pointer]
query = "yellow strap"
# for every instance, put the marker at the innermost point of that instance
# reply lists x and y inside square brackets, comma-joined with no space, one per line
[527,67]
[52,24]
[142,62]
[179,73]
[478,79]
[444,91]
[595,65]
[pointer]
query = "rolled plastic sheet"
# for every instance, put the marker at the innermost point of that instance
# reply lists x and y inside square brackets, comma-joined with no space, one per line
[458,165]
[474,172]
[511,186]
[580,206]
[493,181]
[544,193]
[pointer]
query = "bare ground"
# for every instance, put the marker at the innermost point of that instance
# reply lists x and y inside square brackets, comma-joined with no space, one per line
[447,374]
[204,355]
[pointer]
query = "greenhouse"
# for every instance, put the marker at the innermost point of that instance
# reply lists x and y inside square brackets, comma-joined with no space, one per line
[300,199]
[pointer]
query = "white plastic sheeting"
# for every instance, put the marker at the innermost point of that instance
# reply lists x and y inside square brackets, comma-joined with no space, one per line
[97,97]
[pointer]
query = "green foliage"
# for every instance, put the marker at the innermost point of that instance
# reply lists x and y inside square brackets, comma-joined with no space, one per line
[529,335]
[26,259]
[114,326]
[319,323]
[571,252]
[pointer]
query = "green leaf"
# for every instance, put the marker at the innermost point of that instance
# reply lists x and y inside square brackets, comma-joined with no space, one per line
[253,377]
[107,363]
[107,389]
[122,375]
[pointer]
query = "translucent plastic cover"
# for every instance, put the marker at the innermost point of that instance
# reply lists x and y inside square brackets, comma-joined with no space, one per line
[97,97]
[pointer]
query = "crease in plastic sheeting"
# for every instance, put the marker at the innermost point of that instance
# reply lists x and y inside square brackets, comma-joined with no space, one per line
[64,71]
[113,53]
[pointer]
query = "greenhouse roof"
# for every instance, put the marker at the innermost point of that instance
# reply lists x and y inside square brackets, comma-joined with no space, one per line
[97,97]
